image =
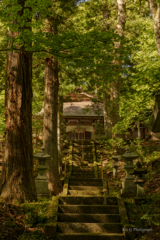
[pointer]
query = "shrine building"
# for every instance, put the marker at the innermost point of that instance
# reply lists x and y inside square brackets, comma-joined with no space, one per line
[83,116]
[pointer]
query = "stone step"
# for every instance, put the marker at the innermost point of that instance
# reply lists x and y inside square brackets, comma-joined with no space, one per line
[82,171]
[85,183]
[96,209]
[90,188]
[84,192]
[83,175]
[87,200]
[89,218]
[89,236]
[69,227]
[81,179]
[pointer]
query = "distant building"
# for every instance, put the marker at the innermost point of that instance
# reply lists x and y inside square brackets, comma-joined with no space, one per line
[83,115]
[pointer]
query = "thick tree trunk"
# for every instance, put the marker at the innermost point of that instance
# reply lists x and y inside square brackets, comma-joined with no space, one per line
[155,9]
[50,123]
[17,175]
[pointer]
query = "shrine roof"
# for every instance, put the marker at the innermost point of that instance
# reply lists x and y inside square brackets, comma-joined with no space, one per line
[84,108]
[78,95]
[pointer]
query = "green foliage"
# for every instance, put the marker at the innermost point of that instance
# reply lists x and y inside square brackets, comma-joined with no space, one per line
[114,143]
[151,210]
[136,147]
[141,69]
[36,213]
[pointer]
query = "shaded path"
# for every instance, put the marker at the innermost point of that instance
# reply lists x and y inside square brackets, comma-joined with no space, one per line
[84,214]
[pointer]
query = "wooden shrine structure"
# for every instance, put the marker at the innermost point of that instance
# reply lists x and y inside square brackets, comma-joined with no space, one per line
[83,116]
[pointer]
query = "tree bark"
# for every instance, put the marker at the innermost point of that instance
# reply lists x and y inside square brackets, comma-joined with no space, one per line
[17,174]
[155,9]
[116,85]
[50,123]
[112,93]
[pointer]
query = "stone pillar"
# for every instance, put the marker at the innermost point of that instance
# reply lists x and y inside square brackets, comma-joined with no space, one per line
[129,189]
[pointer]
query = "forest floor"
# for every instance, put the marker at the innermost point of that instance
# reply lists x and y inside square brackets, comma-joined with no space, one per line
[24,222]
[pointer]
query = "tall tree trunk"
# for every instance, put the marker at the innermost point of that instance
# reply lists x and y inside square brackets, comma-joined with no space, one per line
[155,9]
[17,174]
[50,123]
[116,85]
[112,93]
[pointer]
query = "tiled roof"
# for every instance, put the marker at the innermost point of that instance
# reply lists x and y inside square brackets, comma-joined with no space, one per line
[84,108]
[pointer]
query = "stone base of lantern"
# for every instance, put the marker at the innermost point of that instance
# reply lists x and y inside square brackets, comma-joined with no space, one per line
[139,201]
[129,189]
[42,188]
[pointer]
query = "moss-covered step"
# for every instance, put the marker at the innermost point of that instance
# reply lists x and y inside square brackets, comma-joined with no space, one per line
[71,227]
[99,209]
[86,182]
[90,188]
[84,193]
[83,175]
[88,218]
[89,236]
[72,200]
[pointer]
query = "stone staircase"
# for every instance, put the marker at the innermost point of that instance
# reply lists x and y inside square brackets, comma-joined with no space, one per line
[84,214]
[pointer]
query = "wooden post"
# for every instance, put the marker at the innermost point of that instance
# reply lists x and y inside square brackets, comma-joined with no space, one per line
[65,164]
[82,151]
[101,167]
[36,137]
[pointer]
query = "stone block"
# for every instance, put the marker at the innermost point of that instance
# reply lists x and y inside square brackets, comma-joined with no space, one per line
[50,230]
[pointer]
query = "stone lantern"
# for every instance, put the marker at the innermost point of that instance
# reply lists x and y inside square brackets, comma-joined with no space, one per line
[41,181]
[129,189]
[139,172]
[115,165]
